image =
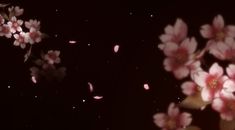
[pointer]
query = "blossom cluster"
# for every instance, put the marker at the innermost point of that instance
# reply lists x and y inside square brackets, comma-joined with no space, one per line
[46,67]
[183,59]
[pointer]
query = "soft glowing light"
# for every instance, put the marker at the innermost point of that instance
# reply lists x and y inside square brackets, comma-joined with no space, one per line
[83,100]
[72,42]
[146,87]
[91,88]
[116,48]
[33,78]
[8,86]
[98,97]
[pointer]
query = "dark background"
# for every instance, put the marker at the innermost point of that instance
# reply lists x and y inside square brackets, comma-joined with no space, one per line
[118,77]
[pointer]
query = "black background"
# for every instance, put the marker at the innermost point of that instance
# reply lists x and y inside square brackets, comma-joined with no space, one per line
[118,77]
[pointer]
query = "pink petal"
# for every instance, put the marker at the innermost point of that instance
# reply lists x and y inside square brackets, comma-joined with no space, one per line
[185,119]
[166,38]
[91,88]
[190,45]
[230,30]
[206,31]
[116,48]
[173,110]
[180,29]
[181,72]
[217,70]
[160,119]
[189,88]
[161,46]
[169,30]
[97,97]
[206,94]
[146,87]
[72,42]
[218,104]
[218,23]
[215,51]
[170,48]
[231,70]
[168,64]
[200,78]
[229,86]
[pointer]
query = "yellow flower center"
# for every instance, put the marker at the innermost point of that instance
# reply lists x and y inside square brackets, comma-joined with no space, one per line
[213,83]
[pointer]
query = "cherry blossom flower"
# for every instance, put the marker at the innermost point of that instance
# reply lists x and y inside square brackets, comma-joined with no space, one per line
[225,105]
[217,32]
[32,24]
[180,57]
[211,83]
[15,11]
[35,36]
[174,34]
[229,85]
[173,120]
[2,20]
[224,51]
[189,88]
[15,25]
[52,57]
[21,39]
[5,31]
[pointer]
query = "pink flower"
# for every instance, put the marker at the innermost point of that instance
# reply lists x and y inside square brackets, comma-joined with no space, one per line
[180,57]
[15,25]
[225,105]
[5,31]
[225,50]
[217,32]
[21,39]
[35,36]
[52,57]
[173,120]
[211,83]
[174,34]
[229,84]
[16,11]
[189,88]
[32,24]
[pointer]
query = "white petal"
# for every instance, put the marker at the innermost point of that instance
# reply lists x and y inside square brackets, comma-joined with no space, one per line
[231,70]
[215,69]
[229,86]
[206,94]
[200,78]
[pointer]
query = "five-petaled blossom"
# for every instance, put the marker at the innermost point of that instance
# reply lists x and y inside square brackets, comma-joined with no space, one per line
[180,57]
[52,57]
[15,25]
[211,83]
[173,120]
[35,36]
[21,39]
[32,24]
[5,31]
[174,34]
[15,11]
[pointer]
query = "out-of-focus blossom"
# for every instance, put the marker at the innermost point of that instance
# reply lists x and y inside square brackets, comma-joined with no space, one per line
[189,88]
[174,34]
[15,11]
[32,24]
[21,39]
[225,105]
[217,32]
[5,31]
[173,120]
[15,25]
[35,36]
[180,57]
[229,85]
[211,83]
[52,57]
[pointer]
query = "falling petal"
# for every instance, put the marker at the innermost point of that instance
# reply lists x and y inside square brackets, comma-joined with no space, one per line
[98,97]
[116,48]
[33,78]
[91,88]
[72,42]
[146,87]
